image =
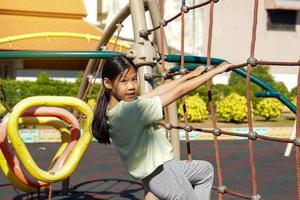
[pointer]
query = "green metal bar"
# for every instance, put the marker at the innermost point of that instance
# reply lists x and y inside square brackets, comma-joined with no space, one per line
[268,88]
[189,67]
[193,59]
[270,91]
[267,94]
[57,54]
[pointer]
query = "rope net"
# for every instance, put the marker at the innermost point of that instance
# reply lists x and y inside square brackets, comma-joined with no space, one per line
[252,136]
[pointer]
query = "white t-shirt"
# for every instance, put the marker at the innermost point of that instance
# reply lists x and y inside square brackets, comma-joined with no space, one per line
[141,144]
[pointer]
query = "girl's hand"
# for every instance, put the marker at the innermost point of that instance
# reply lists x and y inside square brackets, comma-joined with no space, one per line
[196,72]
[223,67]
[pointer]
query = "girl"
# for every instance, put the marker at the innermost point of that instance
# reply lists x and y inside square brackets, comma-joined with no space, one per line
[129,121]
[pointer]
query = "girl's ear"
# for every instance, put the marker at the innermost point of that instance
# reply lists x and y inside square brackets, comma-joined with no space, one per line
[107,84]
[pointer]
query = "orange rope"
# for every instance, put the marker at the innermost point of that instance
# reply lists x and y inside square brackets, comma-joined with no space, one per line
[187,137]
[298,136]
[211,104]
[248,95]
[163,67]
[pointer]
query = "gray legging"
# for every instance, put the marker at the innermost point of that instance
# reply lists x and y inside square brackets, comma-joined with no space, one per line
[184,180]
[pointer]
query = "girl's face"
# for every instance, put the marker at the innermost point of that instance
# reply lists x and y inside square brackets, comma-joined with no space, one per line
[125,85]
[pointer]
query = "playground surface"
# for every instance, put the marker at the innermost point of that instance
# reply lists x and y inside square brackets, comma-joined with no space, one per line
[101,175]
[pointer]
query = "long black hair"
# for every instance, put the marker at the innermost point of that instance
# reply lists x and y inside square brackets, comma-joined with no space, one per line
[112,67]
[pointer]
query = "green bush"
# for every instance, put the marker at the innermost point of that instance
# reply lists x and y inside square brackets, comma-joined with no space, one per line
[237,83]
[294,100]
[3,110]
[92,103]
[233,108]
[219,91]
[44,86]
[196,109]
[293,93]
[269,108]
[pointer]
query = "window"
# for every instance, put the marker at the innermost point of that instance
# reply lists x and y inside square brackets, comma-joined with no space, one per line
[282,20]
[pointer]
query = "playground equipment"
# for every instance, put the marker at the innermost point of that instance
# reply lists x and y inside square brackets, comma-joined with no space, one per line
[145,55]
[68,155]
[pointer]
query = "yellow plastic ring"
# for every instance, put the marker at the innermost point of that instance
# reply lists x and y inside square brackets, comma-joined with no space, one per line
[78,151]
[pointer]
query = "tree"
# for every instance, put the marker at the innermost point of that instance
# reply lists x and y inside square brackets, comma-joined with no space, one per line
[238,83]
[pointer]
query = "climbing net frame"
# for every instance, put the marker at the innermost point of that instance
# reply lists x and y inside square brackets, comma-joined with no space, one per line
[251,61]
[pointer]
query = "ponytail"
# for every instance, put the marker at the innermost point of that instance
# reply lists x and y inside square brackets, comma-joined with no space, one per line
[99,125]
[112,67]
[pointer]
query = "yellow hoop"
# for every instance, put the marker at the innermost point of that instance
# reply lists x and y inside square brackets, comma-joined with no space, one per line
[79,149]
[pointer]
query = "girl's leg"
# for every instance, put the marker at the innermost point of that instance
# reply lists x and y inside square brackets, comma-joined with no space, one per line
[170,183]
[200,174]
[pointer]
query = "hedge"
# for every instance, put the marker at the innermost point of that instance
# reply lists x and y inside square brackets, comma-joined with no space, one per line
[17,90]
[196,109]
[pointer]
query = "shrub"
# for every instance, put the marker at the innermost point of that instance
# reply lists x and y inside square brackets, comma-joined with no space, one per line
[237,83]
[233,108]
[17,90]
[196,108]
[294,101]
[269,108]
[92,103]
[3,110]
[293,92]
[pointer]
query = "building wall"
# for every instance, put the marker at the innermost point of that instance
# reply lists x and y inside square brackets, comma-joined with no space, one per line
[232,38]
[232,34]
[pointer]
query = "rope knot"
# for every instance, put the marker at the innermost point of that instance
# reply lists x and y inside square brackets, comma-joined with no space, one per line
[183,71]
[188,128]
[164,74]
[216,131]
[221,189]
[185,9]
[168,126]
[297,142]
[119,27]
[252,135]
[144,33]
[252,61]
[90,78]
[163,22]
[256,197]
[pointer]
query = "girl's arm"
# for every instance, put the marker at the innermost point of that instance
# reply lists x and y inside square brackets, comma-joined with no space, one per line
[174,83]
[187,86]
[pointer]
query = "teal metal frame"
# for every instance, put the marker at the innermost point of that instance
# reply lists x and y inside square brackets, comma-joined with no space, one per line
[57,54]
[270,91]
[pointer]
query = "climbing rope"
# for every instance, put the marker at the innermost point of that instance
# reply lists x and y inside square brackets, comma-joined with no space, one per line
[297,139]
[248,96]
[210,100]
[163,64]
[184,10]
[215,131]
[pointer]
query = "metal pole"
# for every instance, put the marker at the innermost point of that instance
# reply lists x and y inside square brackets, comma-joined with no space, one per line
[172,108]
[142,52]
[109,31]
